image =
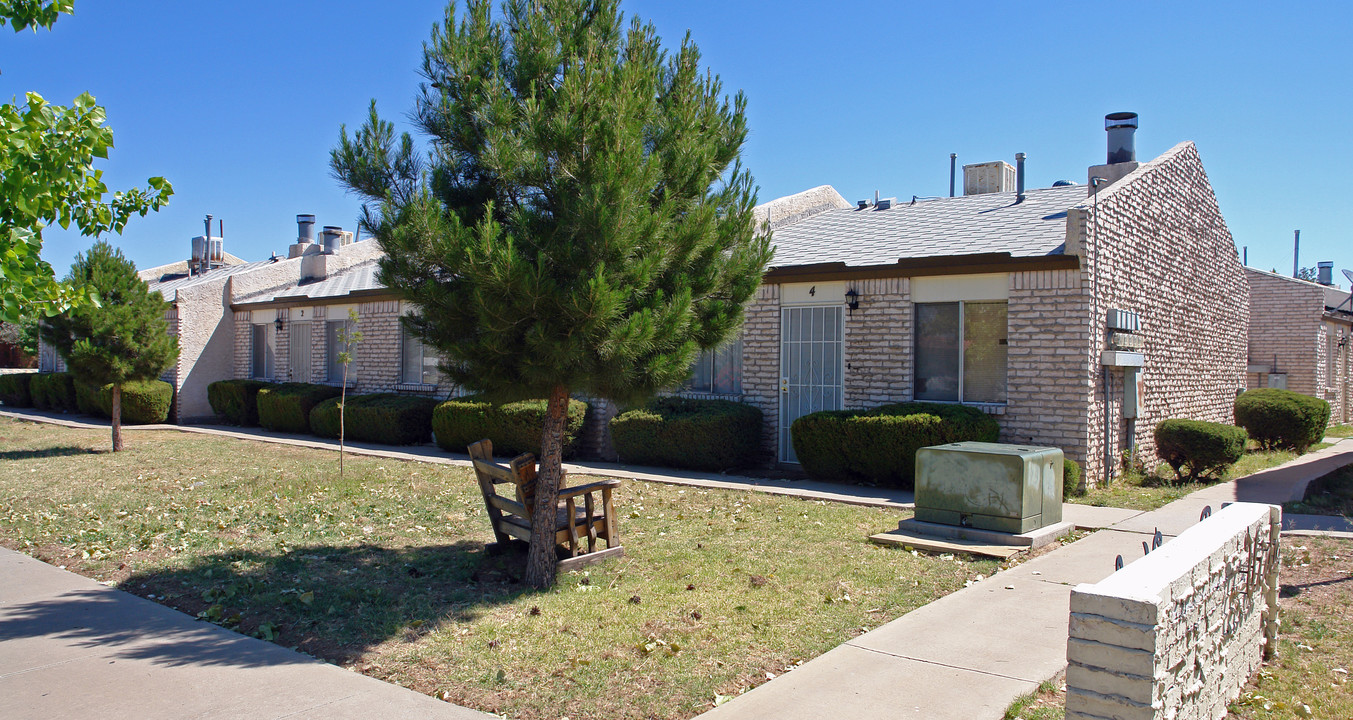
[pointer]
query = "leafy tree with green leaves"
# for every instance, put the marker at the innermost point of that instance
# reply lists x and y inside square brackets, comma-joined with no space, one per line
[127,339]
[581,223]
[47,176]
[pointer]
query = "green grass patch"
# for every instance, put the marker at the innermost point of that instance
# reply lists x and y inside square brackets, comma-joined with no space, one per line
[1046,702]
[386,571]
[1150,490]
[1330,494]
[1340,431]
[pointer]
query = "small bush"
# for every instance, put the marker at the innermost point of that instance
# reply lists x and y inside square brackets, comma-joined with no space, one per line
[378,418]
[514,428]
[1071,479]
[1281,419]
[87,399]
[710,435]
[235,402]
[286,407]
[1206,449]
[144,402]
[880,445]
[15,390]
[53,391]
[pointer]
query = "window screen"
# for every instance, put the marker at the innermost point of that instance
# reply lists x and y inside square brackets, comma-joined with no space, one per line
[335,368]
[966,336]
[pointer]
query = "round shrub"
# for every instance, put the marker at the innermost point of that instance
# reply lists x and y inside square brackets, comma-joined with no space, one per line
[514,428]
[235,402]
[1071,478]
[15,390]
[144,402]
[53,391]
[879,445]
[378,418]
[1205,449]
[1281,419]
[711,435]
[286,407]
[87,399]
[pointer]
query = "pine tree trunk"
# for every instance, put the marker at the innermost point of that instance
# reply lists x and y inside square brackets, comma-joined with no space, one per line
[117,417]
[541,562]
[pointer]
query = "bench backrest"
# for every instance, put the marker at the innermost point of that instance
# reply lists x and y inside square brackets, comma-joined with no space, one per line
[521,472]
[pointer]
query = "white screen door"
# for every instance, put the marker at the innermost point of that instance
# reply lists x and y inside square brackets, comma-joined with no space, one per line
[810,367]
[298,352]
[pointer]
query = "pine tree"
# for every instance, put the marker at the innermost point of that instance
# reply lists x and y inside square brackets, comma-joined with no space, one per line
[581,222]
[124,340]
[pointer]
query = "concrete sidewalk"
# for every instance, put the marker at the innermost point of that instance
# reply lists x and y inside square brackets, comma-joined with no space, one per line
[72,648]
[968,655]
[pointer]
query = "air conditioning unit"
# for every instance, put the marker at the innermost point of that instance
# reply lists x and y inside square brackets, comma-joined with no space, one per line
[989,486]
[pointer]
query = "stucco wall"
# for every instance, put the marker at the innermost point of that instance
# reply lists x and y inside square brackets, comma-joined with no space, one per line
[1155,243]
[206,331]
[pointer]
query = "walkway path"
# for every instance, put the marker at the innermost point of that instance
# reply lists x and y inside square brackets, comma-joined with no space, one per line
[967,655]
[72,648]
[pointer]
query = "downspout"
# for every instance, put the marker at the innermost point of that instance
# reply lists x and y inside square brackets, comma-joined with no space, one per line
[1095,315]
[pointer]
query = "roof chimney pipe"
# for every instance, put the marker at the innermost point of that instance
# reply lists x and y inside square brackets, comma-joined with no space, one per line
[305,228]
[1019,177]
[953,168]
[1324,272]
[1122,128]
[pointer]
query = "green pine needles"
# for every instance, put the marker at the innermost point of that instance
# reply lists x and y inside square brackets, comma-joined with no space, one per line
[580,223]
[124,340]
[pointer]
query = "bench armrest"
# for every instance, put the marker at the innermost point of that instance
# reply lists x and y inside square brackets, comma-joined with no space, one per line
[577,490]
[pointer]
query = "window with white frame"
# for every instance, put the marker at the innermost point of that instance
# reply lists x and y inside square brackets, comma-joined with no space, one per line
[263,352]
[418,362]
[961,350]
[335,345]
[718,371]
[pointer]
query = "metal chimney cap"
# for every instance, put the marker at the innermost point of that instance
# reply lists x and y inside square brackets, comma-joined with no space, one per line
[305,218]
[333,228]
[1120,119]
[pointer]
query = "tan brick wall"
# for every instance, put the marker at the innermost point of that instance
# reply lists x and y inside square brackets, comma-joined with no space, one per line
[761,363]
[1155,243]
[1049,369]
[878,344]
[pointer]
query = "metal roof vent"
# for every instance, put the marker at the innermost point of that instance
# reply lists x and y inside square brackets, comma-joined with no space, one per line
[1122,129]
[1063,183]
[1324,272]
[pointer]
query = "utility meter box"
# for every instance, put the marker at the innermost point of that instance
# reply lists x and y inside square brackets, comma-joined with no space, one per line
[991,486]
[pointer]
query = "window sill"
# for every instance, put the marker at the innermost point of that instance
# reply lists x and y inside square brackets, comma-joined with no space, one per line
[699,395]
[986,407]
[415,387]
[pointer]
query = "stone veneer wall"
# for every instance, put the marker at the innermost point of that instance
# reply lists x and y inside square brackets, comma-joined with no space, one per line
[1155,243]
[1176,634]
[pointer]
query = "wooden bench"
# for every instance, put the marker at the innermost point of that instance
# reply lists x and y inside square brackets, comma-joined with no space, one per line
[574,525]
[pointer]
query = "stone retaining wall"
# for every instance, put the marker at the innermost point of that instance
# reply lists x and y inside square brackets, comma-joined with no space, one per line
[1178,633]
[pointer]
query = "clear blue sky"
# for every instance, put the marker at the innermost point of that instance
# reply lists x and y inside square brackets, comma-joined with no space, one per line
[238,103]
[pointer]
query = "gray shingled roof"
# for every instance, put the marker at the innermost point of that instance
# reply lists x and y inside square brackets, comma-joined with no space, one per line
[969,225]
[169,284]
[353,279]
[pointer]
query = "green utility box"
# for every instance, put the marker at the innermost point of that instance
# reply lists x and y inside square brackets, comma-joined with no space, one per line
[1006,488]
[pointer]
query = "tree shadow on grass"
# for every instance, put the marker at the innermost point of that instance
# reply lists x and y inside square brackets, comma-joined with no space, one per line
[63,451]
[337,602]
[334,603]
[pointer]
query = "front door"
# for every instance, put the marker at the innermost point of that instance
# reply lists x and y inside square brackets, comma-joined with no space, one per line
[810,367]
[298,352]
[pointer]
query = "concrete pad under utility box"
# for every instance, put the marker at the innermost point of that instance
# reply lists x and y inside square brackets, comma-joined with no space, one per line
[991,486]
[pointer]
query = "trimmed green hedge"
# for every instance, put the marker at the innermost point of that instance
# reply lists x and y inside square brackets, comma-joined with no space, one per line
[53,391]
[514,428]
[711,435]
[1206,449]
[235,402]
[144,402]
[1281,419]
[378,418]
[879,445]
[87,398]
[14,390]
[286,407]
[1071,479]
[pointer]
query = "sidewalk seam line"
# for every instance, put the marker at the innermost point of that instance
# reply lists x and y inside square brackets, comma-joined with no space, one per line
[851,643]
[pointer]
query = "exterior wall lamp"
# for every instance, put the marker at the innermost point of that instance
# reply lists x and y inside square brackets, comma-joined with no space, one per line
[279,324]
[852,300]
